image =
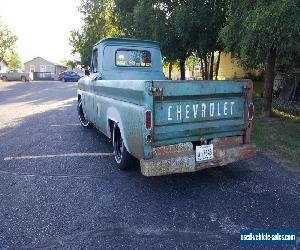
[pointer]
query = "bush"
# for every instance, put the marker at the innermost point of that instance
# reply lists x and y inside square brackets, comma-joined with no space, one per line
[290,107]
[255,77]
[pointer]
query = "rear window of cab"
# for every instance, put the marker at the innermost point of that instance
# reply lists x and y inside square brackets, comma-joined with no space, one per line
[133,58]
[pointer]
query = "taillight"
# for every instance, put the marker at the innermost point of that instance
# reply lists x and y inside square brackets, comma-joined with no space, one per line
[250,111]
[148,120]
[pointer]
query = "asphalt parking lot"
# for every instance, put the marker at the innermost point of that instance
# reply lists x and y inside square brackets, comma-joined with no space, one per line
[60,187]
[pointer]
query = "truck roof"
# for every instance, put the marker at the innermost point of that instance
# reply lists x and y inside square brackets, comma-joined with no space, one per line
[127,40]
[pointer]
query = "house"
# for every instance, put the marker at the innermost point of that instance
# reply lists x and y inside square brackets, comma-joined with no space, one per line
[229,68]
[3,66]
[43,69]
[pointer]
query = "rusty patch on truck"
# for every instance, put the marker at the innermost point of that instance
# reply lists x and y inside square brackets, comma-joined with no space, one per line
[227,141]
[172,149]
[227,155]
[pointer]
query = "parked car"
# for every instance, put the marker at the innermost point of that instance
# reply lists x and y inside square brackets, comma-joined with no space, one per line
[68,76]
[169,126]
[15,75]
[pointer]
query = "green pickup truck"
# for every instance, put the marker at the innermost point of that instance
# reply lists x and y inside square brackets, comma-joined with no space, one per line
[168,126]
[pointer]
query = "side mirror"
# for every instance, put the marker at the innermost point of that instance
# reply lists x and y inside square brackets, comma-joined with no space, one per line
[86,72]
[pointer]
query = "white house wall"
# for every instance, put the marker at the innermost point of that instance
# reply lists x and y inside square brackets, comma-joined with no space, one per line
[3,67]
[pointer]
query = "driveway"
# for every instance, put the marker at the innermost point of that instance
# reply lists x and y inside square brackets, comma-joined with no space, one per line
[60,187]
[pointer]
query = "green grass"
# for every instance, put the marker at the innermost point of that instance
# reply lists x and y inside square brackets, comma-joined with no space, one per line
[279,134]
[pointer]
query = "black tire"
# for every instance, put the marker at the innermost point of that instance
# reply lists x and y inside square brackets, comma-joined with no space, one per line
[23,78]
[64,80]
[83,121]
[4,78]
[122,157]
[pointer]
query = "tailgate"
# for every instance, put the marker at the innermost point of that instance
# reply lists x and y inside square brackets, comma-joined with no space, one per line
[187,111]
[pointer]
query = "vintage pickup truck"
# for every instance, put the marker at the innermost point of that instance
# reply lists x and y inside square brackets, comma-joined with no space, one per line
[168,126]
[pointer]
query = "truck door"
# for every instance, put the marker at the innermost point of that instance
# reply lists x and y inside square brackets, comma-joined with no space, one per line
[15,76]
[91,95]
[96,77]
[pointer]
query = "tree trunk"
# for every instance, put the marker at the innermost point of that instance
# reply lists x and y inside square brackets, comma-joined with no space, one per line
[170,70]
[218,65]
[202,69]
[205,68]
[269,81]
[211,73]
[182,69]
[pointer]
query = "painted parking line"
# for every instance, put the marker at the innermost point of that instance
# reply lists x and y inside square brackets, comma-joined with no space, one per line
[65,125]
[28,157]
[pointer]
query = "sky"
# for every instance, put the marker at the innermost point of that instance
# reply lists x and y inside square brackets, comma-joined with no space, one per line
[42,27]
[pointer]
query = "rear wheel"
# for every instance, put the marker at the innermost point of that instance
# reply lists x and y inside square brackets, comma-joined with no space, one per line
[23,79]
[4,78]
[123,158]
[83,120]
[64,80]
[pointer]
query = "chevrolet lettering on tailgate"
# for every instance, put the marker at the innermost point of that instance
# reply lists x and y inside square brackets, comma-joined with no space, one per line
[203,110]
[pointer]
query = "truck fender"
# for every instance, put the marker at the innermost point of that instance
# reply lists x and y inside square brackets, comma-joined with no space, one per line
[113,115]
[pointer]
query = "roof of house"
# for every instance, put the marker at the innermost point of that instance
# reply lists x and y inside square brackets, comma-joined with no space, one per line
[60,65]
[55,64]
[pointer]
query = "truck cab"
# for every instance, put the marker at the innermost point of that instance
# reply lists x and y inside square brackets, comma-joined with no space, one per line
[128,59]
[168,126]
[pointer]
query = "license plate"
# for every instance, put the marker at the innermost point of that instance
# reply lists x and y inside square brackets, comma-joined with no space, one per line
[204,152]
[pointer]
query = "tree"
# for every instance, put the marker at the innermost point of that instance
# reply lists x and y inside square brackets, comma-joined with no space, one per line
[100,21]
[182,27]
[70,63]
[125,12]
[259,32]
[182,39]
[7,40]
[122,18]
[207,18]
[13,60]
[150,19]
[191,26]
[8,48]
[168,22]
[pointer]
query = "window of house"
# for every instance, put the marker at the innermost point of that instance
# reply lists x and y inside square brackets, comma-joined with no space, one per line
[50,68]
[32,68]
[133,58]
